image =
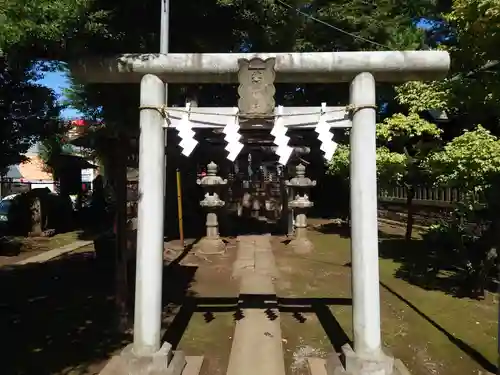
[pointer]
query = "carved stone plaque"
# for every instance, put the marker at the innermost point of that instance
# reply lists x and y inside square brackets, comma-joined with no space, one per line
[256,90]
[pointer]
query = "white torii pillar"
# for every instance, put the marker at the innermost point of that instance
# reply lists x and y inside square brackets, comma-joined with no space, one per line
[363,69]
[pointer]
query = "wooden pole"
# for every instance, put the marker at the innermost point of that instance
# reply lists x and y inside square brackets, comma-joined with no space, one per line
[179,206]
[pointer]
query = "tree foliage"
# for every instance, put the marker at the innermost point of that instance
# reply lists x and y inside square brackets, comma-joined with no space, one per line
[390,165]
[468,161]
[261,26]
[28,111]
[53,146]
[42,28]
[421,96]
[29,30]
[469,237]
[468,30]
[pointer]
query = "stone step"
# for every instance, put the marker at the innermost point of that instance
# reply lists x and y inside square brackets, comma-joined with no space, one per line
[193,365]
[254,283]
[257,346]
[317,366]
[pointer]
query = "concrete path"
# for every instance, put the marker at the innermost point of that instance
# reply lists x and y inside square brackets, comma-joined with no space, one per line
[257,344]
[54,253]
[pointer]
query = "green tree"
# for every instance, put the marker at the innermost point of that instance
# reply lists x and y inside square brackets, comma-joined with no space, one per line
[28,111]
[467,162]
[468,30]
[29,31]
[43,28]
[52,147]
[412,139]
[404,144]
[471,163]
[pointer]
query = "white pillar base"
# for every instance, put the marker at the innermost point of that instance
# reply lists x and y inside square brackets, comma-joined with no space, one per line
[332,365]
[163,362]
[355,364]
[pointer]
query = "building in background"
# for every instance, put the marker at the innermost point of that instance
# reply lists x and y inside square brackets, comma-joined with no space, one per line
[33,173]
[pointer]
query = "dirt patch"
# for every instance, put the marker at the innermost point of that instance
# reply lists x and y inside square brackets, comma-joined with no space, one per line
[209,332]
[15,249]
[320,284]
[303,337]
[210,335]
[62,306]
[67,306]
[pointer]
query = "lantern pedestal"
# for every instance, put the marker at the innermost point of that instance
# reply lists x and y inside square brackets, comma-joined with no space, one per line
[211,183]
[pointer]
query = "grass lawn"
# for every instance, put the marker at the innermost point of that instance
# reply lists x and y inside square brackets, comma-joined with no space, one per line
[14,248]
[432,332]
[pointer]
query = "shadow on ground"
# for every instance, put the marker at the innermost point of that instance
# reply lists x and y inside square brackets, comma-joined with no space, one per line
[467,349]
[210,306]
[427,267]
[420,264]
[59,316]
[10,247]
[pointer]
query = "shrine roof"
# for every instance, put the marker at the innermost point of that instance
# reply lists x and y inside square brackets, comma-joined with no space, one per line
[310,67]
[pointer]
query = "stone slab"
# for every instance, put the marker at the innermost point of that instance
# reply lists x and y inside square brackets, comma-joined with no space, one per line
[257,346]
[54,253]
[265,263]
[355,365]
[193,365]
[115,366]
[242,266]
[333,363]
[246,251]
[254,283]
[177,365]
[400,368]
[245,256]
[163,362]
[317,366]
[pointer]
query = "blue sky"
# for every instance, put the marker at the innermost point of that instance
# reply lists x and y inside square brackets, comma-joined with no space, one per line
[58,82]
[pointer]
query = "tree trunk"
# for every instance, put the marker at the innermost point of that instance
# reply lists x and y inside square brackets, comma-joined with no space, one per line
[410,193]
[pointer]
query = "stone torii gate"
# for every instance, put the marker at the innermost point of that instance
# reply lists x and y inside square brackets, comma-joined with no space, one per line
[362,69]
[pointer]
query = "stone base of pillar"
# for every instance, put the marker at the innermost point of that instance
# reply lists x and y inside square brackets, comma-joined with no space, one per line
[211,246]
[164,362]
[332,365]
[356,365]
[301,245]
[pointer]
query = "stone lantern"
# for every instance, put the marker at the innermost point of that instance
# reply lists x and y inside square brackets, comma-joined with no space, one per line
[211,184]
[300,186]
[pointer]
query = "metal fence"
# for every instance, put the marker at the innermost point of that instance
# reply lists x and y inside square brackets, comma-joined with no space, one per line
[440,197]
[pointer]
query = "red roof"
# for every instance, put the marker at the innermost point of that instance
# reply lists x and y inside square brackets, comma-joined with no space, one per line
[79,122]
